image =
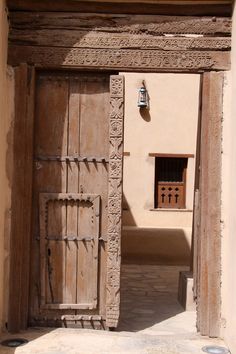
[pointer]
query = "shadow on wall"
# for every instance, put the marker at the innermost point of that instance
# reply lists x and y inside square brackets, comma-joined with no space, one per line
[145,114]
[167,246]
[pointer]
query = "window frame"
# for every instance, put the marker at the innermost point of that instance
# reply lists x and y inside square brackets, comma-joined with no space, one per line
[183,184]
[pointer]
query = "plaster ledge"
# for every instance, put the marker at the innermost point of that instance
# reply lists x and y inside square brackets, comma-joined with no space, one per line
[175,210]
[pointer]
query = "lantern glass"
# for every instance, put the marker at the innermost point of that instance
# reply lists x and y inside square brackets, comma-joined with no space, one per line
[143,98]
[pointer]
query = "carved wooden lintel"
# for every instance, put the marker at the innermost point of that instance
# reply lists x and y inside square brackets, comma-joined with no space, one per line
[115,199]
[120,59]
[93,39]
[120,41]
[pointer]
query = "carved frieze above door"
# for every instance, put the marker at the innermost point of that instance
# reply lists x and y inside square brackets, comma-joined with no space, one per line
[120,42]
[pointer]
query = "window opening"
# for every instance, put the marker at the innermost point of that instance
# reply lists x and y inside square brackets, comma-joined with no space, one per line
[170,182]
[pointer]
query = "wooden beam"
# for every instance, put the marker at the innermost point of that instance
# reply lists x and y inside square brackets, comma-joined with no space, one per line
[96,39]
[21,199]
[118,23]
[209,248]
[122,59]
[176,8]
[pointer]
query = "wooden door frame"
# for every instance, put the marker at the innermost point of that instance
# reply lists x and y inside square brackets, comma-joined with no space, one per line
[210,65]
[22,177]
[208,236]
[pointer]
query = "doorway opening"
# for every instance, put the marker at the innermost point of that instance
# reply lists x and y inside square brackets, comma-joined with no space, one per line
[160,159]
[138,218]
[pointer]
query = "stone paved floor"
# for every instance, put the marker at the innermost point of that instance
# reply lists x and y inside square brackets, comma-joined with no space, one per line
[152,322]
[149,301]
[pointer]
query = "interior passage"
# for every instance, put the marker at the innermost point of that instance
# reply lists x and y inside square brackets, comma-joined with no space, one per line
[149,301]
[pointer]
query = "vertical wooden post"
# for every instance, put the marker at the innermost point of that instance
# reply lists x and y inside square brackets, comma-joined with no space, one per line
[196,210]
[116,132]
[209,245]
[21,198]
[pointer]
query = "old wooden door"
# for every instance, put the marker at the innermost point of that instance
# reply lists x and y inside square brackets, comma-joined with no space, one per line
[76,226]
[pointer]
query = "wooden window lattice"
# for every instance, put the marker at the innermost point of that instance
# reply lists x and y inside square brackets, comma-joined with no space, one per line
[170,182]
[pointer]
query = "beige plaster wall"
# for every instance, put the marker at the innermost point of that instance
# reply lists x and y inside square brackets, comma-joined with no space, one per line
[228,204]
[6,115]
[170,126]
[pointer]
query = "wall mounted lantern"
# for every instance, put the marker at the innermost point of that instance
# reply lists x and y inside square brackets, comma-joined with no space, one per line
[143,97]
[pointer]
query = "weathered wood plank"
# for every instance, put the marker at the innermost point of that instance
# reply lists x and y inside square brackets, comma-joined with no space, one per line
[94,177]
[195,238]
[133,24]
[120,59]
[51,137]
[55,272]
[51,121]
[69,268]
[94,127]
[28,180]
[97,39]
[62,261]
[87,266]
[72,187]
[21,198]
[223,8]
[202,252]
[209,254]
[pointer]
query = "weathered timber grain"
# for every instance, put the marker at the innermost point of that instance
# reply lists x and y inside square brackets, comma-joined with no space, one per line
[223,8]
[129,59]
[50,139]
[133,24]
[69,267]
[209,252]
[57,211]
[195,238]
[97,39]
[21,199]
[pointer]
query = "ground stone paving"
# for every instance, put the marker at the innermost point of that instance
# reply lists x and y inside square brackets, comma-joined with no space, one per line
[149,300]
[152,322]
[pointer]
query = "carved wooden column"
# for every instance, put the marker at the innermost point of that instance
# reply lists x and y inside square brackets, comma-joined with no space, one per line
[115,200]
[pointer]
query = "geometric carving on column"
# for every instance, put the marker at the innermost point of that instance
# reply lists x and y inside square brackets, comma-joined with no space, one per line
[115,200]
